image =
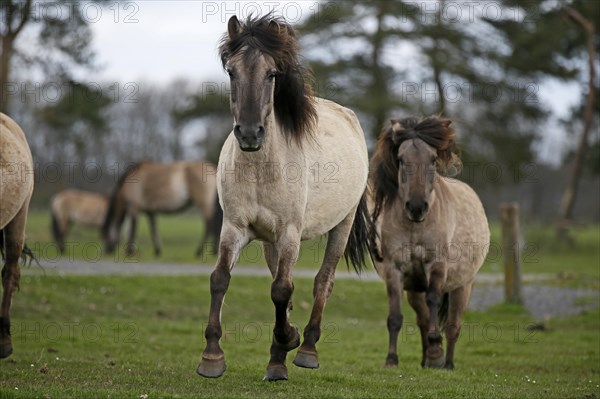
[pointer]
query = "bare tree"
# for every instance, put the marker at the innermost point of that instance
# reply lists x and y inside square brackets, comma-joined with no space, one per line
[570,194]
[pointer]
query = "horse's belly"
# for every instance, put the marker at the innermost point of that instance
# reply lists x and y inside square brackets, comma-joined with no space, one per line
[337,178]
[16,176]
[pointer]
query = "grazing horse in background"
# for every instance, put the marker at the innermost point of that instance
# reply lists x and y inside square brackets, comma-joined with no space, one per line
[78,207]
[16,188]
[272,186]
[152,188]
[432,230]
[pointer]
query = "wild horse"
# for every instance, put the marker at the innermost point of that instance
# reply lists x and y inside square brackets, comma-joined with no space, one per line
[153,187]
[76,207]
[16,188]
[284,136]
[432,230]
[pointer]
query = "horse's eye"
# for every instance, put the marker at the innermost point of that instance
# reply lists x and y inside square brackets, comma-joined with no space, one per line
[272,74]
[229,72]
[400,160]
[433,159]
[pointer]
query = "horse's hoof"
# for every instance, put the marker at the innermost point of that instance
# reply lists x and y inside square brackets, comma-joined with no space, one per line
[306,359]
[391,361]
[5,350]
[211,368]
[437,363]
[276,372]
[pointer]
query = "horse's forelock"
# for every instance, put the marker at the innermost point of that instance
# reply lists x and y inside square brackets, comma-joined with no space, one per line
[434,131]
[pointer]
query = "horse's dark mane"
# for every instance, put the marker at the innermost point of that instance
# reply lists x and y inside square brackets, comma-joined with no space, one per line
[112,201]
[434,131]
[294,102]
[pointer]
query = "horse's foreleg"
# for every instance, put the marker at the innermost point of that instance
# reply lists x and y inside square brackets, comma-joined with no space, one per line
[130,249]
[285,336]
[417,302]
[437,279]
[154,233]
[213,358]
[14,239]
[459,299]
[393,280]
[271,257]
[307,355]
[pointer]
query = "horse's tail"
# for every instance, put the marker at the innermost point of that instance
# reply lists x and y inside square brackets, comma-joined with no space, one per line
[358,241]
[56,232]
[26,254]
[443,311]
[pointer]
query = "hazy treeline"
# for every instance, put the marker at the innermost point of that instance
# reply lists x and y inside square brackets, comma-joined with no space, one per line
[482,66]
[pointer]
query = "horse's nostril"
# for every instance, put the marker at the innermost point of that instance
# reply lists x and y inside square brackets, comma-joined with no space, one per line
[407,205]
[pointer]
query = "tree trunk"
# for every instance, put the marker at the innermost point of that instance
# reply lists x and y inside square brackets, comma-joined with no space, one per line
[570,194]
[7,49]
[12,30]
[379,90]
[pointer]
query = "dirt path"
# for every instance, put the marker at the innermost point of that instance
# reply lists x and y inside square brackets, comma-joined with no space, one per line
[541,300]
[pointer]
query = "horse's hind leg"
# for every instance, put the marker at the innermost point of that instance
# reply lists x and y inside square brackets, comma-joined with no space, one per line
[393,281]
[336,243]
[232,242]
[14,238]
[417,302]
[459,299]
[130,248]
[154,234]
[285,336]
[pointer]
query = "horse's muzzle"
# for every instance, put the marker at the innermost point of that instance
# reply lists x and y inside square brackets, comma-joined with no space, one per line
[250,138]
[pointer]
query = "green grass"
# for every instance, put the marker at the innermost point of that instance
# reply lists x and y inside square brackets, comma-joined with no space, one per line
[181,233]
[121,337]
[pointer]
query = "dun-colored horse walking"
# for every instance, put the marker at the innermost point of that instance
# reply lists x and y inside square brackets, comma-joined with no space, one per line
[295,167]
[76,207]
[433,233]
[151,188]
[16,188]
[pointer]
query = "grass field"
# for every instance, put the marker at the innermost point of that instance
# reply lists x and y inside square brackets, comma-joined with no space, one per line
[181,233]
[123,337]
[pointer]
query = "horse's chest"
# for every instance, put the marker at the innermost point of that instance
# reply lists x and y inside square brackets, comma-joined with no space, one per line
[414,261]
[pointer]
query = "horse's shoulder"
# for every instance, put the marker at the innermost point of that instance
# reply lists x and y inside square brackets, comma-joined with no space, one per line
[331,115]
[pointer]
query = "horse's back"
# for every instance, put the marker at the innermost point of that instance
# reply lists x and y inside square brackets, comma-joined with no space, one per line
[337,168]
[82,207]
[16,169]
[171,187]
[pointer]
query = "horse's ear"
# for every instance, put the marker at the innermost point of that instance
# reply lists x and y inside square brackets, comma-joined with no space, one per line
[234,27]
[396,125]
[445,122]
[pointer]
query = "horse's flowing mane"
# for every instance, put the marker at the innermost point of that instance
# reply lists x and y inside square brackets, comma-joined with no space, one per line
[112,202]
[435,132]
[294,102]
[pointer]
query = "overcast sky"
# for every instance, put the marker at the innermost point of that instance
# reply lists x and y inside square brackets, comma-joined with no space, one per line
[158,41]
[162,40]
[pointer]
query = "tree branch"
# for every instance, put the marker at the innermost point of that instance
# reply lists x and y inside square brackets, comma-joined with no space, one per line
[24,18]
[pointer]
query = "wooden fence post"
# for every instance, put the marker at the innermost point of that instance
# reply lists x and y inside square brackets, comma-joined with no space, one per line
[511,251]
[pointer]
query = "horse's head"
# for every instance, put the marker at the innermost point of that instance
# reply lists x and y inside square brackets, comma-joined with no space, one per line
[117,210]
[408,154]
[266,76]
